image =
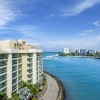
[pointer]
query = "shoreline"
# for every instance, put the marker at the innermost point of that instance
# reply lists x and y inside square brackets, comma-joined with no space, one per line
[62,92]
[83,57]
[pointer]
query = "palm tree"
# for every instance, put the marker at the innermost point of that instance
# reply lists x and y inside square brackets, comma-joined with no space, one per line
[3,96]
[32,89]
[23,84]
[14,96]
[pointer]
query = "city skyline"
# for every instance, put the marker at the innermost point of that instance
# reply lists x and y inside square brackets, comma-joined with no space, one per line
[51,24]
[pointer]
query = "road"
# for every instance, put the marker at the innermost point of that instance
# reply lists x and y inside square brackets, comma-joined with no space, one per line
[52,90]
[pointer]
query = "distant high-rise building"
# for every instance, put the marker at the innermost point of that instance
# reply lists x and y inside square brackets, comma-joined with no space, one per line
[92,51]
[73,51]
[67,50]
[83,52]
[77,50]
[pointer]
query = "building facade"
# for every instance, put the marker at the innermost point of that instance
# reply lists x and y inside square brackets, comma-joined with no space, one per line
[77,51]
[83,52]
[67,50]
[17,64]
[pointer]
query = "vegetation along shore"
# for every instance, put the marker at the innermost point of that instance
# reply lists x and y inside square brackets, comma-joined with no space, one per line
[97,55]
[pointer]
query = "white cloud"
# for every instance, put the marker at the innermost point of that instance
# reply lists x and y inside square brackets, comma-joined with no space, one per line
[46,18]
[49,16]
[81,34]
[96,23]
[6,12]
[78,8]
[88,31]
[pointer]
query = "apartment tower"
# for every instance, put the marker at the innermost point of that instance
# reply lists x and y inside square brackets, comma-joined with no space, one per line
[19,62]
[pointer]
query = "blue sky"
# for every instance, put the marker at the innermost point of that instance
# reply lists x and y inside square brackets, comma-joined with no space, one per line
[52,24]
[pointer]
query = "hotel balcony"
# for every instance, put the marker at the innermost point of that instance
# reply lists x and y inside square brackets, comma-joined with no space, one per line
[29,81]
[14,57]
[3,79]
[37,74]
[14,81]
[14,63]
[2,65]
[37,60]
[30,77]
[40,64]
[40,68]
[30,61]
[4,90]
[19,67]
[30,56]
[37,70]
[19,73]
[14,88]
[3,85]
[14,69]
[40,59]
[30,67]
[19,84]
[20,78]
[19,56]
[30,71]
[19,61]
[38,56]
[3,72]
[14,76]
[3,58]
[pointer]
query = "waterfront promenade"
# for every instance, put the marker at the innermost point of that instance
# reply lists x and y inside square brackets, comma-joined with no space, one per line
[52,90]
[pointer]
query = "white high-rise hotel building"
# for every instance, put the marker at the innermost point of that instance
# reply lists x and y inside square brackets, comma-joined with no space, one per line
[77,51]
[19,62]
[67,50]
[83,51]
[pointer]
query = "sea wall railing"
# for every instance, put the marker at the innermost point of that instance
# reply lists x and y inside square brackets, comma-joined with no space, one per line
[42,92]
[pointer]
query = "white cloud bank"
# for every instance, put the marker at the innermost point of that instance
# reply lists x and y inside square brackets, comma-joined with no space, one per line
[78,8]
[49,16]
[6,12]
[96,23]
[81,34]
[88,31]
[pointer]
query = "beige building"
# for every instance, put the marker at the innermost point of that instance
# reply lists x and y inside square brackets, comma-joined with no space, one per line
[19,62]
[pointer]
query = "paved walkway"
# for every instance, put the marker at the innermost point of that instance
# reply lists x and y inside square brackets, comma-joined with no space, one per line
[52,90]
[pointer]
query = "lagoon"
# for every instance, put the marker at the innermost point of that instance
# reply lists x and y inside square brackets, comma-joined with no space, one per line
[79,75]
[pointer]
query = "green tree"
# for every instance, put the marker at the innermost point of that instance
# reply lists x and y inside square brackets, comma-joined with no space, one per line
[3,96]
[24,84]
[62,54]
[14,96]
[78,54]
[97,53]
[73,54]
[30,86]
[32,89]
[34,99]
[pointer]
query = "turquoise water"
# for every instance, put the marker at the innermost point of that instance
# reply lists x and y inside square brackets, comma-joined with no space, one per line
[80,76]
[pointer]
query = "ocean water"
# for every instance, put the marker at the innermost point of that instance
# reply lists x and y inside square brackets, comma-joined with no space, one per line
[80,76]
